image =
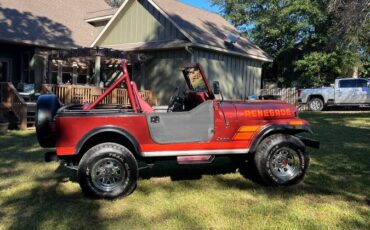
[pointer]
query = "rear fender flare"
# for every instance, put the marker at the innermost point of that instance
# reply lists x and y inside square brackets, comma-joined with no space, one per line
[274,129]
[109,129]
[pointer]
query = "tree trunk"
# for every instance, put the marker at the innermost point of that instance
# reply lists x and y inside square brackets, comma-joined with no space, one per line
[355,71]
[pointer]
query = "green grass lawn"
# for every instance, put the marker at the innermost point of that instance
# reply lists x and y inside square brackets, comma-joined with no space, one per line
[334,195]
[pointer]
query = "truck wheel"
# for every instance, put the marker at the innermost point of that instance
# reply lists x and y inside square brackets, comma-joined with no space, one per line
[281,160]
[108,170]
[316,104]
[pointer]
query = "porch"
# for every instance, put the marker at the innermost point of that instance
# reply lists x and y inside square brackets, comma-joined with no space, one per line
[20,110]
[74,76]
[86,94]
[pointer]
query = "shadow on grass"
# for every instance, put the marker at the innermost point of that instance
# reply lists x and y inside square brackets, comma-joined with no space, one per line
[188,172]
[37,201]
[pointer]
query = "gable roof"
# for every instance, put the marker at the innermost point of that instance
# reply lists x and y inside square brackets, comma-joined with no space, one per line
[100,15]
[208,28]
[48,23]
[202,28]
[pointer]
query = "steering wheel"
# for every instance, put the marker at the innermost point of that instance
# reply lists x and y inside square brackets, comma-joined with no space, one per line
[173,99]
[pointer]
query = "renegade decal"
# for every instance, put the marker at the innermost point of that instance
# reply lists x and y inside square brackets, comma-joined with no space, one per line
[260,113]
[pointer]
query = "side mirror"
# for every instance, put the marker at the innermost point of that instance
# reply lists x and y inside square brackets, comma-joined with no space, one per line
[216,88]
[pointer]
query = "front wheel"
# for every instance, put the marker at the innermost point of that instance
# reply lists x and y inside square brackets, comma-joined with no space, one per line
[316,104]
[281,159]
[108,170]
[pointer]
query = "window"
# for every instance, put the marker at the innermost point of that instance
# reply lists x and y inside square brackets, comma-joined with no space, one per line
[26,72]
[361,83]
[347,83]
[195,79]
[4,71]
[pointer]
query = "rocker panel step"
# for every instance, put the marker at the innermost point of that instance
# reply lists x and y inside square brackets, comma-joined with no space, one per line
[203,159]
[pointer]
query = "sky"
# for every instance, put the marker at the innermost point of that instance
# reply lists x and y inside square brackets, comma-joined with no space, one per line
[203,4]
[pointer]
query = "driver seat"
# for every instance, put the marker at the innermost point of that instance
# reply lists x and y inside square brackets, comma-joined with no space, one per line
[144,106]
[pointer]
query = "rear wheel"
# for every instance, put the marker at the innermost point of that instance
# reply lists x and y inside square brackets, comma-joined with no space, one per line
[281,160]
[316,104]
[108,170]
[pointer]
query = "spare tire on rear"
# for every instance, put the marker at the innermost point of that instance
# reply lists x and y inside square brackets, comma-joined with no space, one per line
[47,107]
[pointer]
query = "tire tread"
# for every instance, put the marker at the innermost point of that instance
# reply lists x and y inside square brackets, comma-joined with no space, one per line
[94,152]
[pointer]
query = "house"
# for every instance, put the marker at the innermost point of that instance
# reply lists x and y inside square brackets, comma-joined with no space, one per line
[166,33]
[29,29]
[173,34]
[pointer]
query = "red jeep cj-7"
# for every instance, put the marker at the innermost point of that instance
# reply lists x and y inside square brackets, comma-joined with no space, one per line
[105,143]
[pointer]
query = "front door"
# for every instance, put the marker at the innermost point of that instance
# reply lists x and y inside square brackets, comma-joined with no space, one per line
[5,70]
[345,93]
[196,125]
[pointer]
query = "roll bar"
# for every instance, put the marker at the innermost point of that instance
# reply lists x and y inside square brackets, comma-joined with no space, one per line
[126,78]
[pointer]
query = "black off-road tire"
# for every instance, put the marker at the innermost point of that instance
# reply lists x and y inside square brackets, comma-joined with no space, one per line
[266,156]
[108,152]
[316,104]
[47,107]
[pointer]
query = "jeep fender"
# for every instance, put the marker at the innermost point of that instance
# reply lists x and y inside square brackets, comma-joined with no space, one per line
[110,129]
[288,129]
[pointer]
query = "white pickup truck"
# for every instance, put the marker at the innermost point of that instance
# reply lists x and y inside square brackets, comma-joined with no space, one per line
[345,92]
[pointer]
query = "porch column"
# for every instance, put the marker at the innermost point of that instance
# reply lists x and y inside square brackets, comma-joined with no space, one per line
[37,65]
[45,70]
[88,73]
[60,73]
[142,73]
[50,68]
[74,73]
[97,70]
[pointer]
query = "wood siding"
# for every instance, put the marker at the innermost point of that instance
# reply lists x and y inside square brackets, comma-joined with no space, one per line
[139,22]
[239,77]
[162,74]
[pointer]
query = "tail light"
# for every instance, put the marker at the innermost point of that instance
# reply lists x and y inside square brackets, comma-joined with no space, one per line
[299,92]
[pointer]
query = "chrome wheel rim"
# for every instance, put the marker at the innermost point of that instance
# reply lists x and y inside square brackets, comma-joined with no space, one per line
[315,105]
[285,163]
[107,174]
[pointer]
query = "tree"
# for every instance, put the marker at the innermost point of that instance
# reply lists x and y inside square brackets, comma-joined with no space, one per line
[351,19]
[350,30]
[301,36]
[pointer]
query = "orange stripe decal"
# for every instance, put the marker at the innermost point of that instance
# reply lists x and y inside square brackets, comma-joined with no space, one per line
[243,136]
[251,128]
[296,122]
[246,132]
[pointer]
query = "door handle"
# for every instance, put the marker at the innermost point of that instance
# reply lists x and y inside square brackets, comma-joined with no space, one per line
[154,119]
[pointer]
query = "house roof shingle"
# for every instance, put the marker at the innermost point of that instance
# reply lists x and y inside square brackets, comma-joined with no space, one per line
[61,23]
[100,13]
[208,29]
[56,23]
